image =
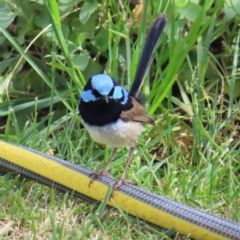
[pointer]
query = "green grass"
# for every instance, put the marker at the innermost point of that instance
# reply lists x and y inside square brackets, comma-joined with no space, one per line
[191,156]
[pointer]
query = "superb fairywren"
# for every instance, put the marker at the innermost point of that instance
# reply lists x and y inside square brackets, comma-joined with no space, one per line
[112,115]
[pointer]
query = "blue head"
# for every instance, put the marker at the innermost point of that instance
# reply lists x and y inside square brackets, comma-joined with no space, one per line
[103,87]
[103,100]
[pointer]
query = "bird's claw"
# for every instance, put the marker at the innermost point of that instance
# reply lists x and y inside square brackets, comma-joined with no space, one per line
[96,175]
[118,184]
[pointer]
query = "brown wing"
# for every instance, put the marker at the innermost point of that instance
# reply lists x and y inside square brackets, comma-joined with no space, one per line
[137,114]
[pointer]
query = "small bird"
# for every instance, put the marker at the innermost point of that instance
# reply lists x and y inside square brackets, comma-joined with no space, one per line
[112,115]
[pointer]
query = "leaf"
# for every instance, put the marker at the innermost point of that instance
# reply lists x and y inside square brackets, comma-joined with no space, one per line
[101,40]
[191,12]
[92,68]
[87,9]
[6,16]
[81,61]
[231,9]
[183,3]
[3,84]
[57,66]
[66,5]
[81,38]
[5,63]
[87,29]
[180,3]
[227,89]
[232,3]
[42,19]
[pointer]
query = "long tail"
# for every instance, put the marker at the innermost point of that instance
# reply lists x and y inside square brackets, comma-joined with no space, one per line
[146,59]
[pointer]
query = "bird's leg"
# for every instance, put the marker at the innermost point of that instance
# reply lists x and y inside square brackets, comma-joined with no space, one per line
[122,180]
[104,171]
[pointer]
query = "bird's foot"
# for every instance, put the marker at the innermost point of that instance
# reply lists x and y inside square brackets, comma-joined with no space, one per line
[119,183]
[96,175]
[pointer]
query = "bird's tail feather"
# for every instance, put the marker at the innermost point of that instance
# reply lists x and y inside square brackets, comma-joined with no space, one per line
[146,59]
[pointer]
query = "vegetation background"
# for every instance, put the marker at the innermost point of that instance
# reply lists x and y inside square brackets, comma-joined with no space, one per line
[49,49]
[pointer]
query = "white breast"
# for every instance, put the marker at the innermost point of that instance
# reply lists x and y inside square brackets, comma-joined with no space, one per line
[118,134]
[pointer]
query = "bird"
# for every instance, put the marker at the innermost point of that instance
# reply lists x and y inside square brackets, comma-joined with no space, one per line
[113,115]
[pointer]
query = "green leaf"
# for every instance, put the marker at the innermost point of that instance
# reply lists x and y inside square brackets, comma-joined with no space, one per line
[81,38]
[233,3]
[180,3]
[5,63]
[87,9]
[101,40]
[66,5]
[57,66]
[80,61]
[6,16]
[3,84]
[236,92]
[87,29]
[231,9]
[92,68]
[191,12]
[42,19]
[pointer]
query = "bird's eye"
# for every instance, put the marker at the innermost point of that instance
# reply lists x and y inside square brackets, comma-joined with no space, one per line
[96,93]
[111,93]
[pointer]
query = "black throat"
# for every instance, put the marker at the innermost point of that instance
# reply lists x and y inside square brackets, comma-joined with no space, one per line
[100,113]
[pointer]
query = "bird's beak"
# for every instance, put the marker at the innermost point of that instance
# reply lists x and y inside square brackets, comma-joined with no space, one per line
[105,98]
